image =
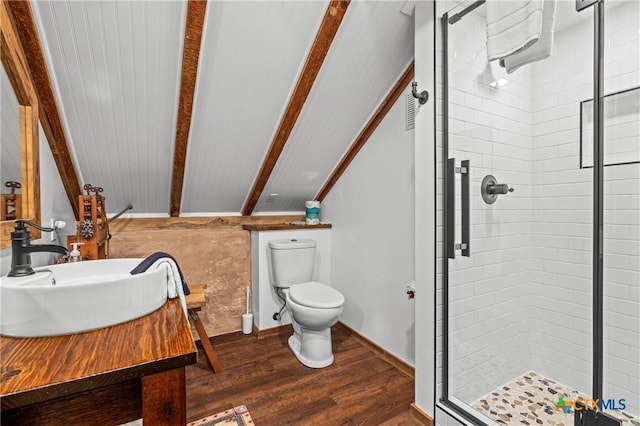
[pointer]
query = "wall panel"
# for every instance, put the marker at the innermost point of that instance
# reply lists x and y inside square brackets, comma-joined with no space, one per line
[212,250]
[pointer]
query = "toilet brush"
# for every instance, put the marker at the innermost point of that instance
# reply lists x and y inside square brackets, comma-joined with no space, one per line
[247,318]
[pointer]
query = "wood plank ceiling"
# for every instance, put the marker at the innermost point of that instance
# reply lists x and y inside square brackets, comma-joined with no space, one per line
[326,33]
[220,107]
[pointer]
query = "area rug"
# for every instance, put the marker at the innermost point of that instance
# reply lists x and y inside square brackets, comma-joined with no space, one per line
[238,416]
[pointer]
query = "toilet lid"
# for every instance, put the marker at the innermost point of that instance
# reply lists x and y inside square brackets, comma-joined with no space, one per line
[316,295]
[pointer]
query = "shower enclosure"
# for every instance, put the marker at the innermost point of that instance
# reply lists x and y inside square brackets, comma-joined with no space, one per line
[539,180]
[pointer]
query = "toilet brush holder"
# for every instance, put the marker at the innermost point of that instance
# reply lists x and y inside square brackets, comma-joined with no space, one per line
[247,323]
[247,318]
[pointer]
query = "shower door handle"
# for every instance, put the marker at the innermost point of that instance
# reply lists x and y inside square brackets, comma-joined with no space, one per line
[465,173]
[450,208]
[465,245]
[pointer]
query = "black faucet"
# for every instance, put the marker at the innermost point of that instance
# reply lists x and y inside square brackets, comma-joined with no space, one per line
[21,249]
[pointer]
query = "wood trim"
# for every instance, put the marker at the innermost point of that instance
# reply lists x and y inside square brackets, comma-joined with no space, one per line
[49,115]
[164,223]
[398,363]
[14,60]
[368,130]
[30,162]
[190,56]
[324,38]
[420,416]
[284,227]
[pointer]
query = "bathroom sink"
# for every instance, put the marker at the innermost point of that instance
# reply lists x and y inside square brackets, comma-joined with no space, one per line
[75,297]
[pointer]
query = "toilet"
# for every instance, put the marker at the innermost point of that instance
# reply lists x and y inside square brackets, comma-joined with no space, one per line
[314,307]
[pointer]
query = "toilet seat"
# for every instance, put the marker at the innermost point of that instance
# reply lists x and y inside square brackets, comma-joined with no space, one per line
[316,295]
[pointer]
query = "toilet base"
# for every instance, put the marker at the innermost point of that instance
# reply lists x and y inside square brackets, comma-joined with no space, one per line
[312,348]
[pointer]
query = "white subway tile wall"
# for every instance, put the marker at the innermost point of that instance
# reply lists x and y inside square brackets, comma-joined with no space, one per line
[562,199]
[490,310]
[523,300]
[564,232]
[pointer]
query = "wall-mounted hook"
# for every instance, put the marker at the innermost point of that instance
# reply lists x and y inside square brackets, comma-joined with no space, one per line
[422,97]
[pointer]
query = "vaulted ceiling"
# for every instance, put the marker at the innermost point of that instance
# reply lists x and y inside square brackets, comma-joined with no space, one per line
[218,107]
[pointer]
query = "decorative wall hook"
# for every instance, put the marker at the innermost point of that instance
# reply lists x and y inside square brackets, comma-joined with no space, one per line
[422,97]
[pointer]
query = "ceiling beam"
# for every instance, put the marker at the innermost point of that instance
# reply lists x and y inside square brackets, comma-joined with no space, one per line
[49,112]
[368,130]
[326,33]
[190,57]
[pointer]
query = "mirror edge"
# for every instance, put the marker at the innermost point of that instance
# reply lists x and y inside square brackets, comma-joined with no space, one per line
[14,61]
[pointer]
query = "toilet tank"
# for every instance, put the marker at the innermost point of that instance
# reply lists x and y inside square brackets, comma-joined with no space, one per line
[292,261]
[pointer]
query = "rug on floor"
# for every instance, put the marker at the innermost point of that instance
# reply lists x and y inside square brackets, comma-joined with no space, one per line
[238,416]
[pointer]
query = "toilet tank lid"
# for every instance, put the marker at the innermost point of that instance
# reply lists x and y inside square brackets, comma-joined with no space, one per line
[292,243]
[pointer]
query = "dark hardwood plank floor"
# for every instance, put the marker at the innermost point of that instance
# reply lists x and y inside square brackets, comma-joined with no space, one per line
[359,388]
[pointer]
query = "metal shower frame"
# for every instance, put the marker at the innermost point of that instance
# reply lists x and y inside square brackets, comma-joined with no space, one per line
[598,205]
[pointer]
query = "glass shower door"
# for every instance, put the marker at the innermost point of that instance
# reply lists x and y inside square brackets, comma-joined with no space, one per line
[621,284]
[517,265]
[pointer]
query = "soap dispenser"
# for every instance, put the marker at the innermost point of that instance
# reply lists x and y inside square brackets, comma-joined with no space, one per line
[74,256]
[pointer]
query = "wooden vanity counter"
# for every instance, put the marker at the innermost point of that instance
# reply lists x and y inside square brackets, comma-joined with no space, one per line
[108,376]
[283,227]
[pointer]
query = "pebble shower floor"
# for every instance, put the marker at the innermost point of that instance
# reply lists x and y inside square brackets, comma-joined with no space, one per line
[532,399]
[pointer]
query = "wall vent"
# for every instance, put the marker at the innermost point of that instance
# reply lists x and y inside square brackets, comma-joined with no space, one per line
[410,117]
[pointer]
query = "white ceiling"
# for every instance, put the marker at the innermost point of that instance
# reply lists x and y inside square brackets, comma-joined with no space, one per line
[115,66]
[370,52]
[251,57]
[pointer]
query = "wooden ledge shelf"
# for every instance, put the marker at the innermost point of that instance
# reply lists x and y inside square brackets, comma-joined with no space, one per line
[284,227]
[81,375]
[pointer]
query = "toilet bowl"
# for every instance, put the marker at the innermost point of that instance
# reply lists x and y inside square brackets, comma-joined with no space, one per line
[312,322]
[314,306]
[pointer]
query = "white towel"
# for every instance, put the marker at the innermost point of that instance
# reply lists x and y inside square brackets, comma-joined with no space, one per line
[512,25]
[539,50]
[174,281]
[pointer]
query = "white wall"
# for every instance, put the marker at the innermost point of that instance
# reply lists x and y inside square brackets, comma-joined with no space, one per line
[54,205]
[372,255]
[425,217]
[562,200]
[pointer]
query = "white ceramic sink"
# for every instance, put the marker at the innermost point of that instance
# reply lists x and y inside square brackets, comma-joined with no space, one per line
[75,297]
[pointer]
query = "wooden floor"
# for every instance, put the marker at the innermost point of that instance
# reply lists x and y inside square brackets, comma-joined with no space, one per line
[359,388]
